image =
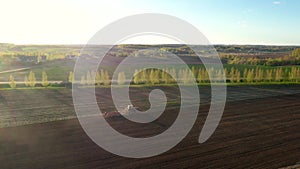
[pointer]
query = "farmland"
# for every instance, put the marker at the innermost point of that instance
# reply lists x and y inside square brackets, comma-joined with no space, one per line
[259,129]
[58,61]
[43,105]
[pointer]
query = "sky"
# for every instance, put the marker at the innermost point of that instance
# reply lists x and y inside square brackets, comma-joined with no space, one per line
[266,22]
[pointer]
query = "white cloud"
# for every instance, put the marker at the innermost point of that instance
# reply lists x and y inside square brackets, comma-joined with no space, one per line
[276,2]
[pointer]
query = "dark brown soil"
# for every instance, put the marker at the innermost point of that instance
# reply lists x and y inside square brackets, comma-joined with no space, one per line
[255,133]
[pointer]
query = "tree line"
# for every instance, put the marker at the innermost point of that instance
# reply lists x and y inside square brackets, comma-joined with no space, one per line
[263,75]
[291,59]
[30,80]
[198,75]
[169,76]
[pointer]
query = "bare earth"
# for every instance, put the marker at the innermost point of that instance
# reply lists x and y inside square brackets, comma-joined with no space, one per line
[253,133]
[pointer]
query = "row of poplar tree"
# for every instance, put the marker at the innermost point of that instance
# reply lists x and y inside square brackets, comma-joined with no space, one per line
[171,76]
[199,75]
[30,80]
[263,75]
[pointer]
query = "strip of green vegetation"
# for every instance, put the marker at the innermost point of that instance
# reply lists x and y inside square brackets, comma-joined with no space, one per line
[165,77]
[33,88]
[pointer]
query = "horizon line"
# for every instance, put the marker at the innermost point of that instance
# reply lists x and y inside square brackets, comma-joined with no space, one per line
[213,44]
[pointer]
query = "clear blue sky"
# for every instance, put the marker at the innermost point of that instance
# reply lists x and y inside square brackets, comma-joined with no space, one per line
[222,21]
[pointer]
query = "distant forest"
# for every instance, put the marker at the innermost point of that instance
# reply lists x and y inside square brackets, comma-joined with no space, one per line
[229,54]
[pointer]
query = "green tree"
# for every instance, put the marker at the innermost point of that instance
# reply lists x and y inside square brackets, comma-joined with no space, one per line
[136,78]
[154,78]
[106,78]
[269,75]
[220,76]
[297,75]
[292,74]
[181,76]
[203,76]
[185,76]
[245,74]
[232,75]
[83,81]
[98,79]
[144,76]
[226,73]
[278,74]
[173,75]
[12,82]
[102,75]
[121,78]
[26,81]
[250,75]
[206,75]
[159,75]
[261,75]
[89,80]
[238,76]
[285,76]
[39,58]
[71,77]
[195,73]
[31,79]
[256,77]
[93,77]
[165,76]
[45,82]
[199,77]
[189,77]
